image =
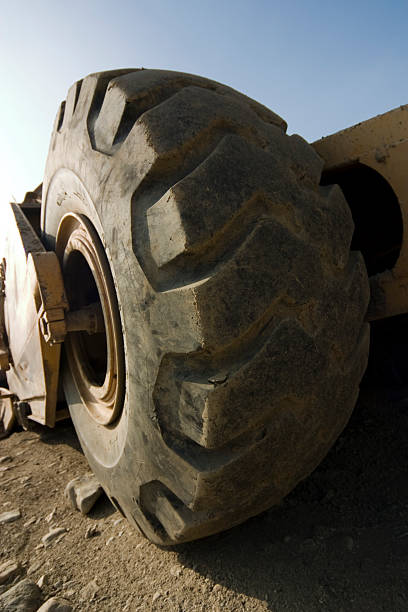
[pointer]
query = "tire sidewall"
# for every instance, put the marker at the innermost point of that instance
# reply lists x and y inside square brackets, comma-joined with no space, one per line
[103,445]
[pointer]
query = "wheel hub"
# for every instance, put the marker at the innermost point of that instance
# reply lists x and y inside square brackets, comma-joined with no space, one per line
[95,359]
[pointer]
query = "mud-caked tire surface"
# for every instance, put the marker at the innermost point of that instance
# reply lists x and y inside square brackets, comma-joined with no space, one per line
[242,308]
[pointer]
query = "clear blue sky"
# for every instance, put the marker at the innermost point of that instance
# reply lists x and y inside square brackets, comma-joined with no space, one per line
[322,65]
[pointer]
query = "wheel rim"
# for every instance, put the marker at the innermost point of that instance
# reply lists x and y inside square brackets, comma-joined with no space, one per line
[96,361]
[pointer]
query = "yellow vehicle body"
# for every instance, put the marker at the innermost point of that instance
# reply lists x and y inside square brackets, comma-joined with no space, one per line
[381,144]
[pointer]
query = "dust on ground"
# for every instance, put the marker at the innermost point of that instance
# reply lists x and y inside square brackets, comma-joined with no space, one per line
[339,542]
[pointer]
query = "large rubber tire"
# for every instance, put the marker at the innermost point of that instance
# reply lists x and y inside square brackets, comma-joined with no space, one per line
[242,308]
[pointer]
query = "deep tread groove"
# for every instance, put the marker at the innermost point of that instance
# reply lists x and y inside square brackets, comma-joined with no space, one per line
[77,92]
[60,116]
[102,85]
[134,110]
[171,172]
[197,264]
[136,103]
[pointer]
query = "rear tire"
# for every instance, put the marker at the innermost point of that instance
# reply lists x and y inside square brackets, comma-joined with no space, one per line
[240,304]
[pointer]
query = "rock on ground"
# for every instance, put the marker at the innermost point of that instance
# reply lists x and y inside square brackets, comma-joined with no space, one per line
[52,535]
[25,596]
[10,516]
[56,605]
[82,492]
[92,531]
[42,581]
[8,570]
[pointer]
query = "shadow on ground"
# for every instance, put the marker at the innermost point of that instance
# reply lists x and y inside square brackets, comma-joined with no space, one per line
[340,540]
[64,433]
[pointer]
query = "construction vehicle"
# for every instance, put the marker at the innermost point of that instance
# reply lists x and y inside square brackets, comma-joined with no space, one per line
[195,288]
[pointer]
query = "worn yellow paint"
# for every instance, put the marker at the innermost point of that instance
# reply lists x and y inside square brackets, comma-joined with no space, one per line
[33,291]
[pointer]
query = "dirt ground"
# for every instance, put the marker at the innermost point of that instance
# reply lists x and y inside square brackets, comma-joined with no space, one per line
[339,542]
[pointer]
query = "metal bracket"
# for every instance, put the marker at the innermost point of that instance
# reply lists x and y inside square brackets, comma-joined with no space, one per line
[50,295]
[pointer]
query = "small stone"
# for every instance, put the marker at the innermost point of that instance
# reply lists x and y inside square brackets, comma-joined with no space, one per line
[89,591]
[92,531]
[10,516]
[70,593]
[50,516]
[30,521]
[217,588]
[5,459]
[8,570]
[52,535]
[25,596]
[109,540]
[42,581]
[175,571]
[82,492]
[56,605]
[119,520]
[156,596]
[25,479]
